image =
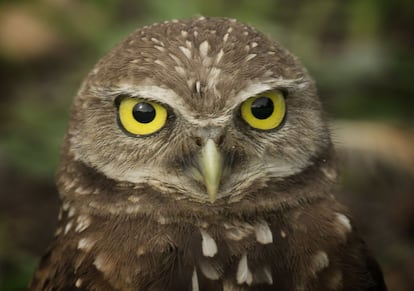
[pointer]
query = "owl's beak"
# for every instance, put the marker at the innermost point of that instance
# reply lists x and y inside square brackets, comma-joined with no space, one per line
[211,166]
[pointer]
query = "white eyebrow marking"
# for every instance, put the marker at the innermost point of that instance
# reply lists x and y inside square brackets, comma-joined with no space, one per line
[166,96]
[255,88]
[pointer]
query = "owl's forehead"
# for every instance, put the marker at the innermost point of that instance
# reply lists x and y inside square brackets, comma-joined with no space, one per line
[203,62]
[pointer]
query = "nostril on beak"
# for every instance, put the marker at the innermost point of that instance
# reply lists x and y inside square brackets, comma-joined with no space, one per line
[203,134]
[220,139]
[198,140]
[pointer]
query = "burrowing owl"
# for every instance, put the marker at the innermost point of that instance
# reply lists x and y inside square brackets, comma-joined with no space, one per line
[198,158]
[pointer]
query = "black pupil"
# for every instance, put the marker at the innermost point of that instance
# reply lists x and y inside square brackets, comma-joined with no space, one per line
[262,107]
[143,112]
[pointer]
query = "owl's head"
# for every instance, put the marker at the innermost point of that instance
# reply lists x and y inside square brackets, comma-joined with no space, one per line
[197,110]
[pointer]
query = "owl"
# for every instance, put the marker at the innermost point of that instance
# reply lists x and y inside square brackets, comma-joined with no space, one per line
[198,158]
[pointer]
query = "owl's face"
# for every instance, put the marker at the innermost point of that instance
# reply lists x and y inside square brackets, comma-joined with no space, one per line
[198,110]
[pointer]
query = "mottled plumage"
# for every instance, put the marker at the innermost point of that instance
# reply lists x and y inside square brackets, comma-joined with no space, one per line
[207,202]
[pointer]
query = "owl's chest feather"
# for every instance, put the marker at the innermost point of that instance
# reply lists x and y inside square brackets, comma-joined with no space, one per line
[256,252]
[303,248]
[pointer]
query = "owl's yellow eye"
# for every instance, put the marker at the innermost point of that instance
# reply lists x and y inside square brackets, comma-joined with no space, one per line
[141,117]
[264,111]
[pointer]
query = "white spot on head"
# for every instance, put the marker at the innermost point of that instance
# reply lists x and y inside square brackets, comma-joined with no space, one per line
[71,212]
[344,221]
[78,283]
[319,261]
[154,40]
[250,56]
[253,44]
[204,46]
[213,77]
[212,272]
[220,54]
[86,244]
[198,87]
[185,51]
[184,33]
[282,233]
[194,281]
[208,244]
[225,37]
[246,33]
[65,206]
[176,59]
[82,191]
[263,233]
[243,273]
[83,222]
[181,71]
[160,48]
[67,227]
[162,64]
[104,264]
[100,262]
[230,29]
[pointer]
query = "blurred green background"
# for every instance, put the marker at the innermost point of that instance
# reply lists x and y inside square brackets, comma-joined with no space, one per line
[361,52]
